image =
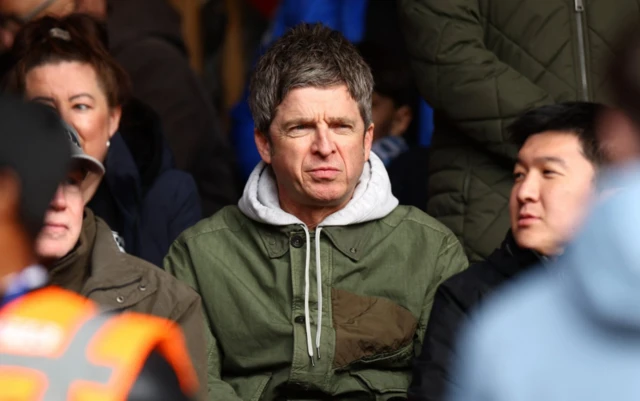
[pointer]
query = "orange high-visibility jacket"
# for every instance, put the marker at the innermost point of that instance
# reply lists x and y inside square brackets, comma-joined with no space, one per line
[55,344]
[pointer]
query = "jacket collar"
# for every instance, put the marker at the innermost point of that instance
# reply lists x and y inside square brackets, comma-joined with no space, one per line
[510,259]
[350,240]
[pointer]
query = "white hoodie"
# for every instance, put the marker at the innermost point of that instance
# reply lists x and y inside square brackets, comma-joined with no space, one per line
[372,200]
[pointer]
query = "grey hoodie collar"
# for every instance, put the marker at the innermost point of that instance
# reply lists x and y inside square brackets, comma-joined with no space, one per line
[372,199]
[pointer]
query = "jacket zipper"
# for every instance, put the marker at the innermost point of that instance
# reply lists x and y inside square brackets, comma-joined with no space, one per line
[579,12]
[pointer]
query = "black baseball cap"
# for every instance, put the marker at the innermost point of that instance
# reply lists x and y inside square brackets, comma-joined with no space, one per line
[33,145]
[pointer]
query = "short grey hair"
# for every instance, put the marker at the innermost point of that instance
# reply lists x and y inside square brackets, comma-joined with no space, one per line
[308,56]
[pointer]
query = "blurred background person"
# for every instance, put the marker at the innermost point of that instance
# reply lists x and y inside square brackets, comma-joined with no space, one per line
[144,36]
[46,333]
[63,63]
[482,64]
[559,159]
[394,108]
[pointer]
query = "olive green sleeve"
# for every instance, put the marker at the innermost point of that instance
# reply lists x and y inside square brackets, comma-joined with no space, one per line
[179,263]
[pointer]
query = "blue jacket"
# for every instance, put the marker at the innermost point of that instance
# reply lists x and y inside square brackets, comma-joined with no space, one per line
[570,332]
[145,199]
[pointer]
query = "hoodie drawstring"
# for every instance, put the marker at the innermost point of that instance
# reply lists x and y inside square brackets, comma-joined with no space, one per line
[319,283]
[307,315]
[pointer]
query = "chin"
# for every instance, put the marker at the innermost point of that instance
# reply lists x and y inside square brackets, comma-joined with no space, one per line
[52,252]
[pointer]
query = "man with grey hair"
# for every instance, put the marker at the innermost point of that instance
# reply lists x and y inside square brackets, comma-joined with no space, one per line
[318,285]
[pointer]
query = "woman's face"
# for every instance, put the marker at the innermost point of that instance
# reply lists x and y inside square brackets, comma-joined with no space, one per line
[63,220]
[73,89]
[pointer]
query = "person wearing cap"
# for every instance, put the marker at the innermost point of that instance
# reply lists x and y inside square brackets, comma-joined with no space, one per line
[82,255]
[54,344]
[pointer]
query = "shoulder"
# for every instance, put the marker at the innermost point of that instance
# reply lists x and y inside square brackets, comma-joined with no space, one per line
[226,221]
[411,215]
[511,315]
[470,286]
[418,222]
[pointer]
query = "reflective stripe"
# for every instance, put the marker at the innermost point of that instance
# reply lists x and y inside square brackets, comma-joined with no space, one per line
[68,368]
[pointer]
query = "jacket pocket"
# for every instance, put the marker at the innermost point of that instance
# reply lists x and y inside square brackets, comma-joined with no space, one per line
[371,330]
[384,385]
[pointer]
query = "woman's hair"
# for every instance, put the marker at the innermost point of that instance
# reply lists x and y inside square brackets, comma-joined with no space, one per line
[77,37]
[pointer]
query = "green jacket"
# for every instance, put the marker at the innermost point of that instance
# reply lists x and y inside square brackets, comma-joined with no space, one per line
[379,265]
[481,63]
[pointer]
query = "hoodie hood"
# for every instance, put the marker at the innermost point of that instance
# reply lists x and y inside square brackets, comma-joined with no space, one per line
[603,263]
[372,199]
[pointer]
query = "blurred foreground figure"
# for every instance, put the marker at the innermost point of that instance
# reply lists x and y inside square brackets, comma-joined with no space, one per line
[54,344]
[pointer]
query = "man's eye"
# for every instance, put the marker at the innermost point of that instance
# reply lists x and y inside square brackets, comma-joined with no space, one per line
[548,172]
[81,107]
[518,176]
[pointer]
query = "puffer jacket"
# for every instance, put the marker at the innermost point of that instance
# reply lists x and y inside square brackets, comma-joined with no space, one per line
[481,63]
[378,265]
[97,269]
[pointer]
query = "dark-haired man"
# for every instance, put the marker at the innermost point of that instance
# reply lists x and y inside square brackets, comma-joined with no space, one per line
[318,285]
[554,181]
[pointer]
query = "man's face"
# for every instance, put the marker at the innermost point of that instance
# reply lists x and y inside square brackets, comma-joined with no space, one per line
[15,13]
[554,183]
[63,221]
[318,146]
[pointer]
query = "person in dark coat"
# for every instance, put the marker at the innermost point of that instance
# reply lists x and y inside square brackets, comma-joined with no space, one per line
[554,182]
[64,63]
[144,36]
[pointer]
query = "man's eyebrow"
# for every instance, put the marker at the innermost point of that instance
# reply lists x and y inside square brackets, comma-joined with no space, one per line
[341,120]
[298,121]
[544,159]
[551,159]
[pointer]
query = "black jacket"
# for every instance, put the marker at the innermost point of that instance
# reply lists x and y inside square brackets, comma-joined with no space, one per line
[454,300]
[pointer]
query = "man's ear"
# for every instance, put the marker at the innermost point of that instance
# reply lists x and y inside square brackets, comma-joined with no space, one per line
[368,141]
[263,143]
[401,120]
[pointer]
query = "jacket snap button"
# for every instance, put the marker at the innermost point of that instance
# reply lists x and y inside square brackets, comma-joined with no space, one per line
[299,319]
[142,287]
[353,250]
[120,299]
[297,241]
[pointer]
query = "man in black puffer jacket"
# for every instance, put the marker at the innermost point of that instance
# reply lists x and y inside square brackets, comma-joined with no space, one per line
[554,180]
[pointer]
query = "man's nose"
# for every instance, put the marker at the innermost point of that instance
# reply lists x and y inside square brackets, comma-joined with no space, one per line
[528,189]
[323,143]
[59,201]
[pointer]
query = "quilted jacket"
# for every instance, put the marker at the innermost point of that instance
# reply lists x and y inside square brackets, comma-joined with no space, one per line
[480,63]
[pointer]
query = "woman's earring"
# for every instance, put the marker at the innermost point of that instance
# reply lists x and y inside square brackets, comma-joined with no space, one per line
[108,143]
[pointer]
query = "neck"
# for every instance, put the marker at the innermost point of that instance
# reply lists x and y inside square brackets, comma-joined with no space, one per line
[310,215]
